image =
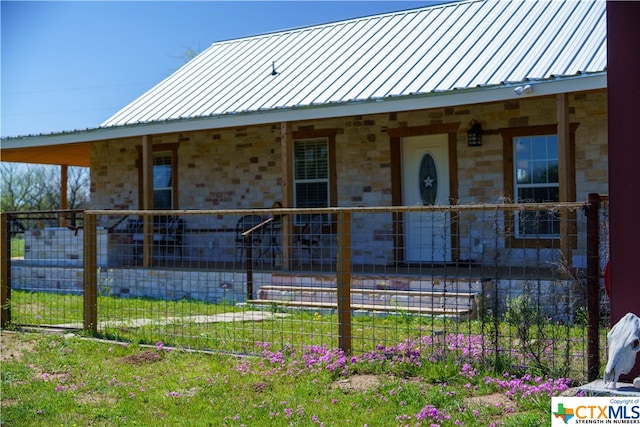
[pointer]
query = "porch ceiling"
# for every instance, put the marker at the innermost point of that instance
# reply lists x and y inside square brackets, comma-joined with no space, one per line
[60,154]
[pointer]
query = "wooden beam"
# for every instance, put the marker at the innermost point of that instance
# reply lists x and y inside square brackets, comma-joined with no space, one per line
[147,172]
[59,154]
[566,176]
[64,184]
[286,148]
[147,199]
[566,161]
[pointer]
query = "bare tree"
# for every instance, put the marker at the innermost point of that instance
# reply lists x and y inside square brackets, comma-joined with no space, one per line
[78,188]
[16,187]
[37,187]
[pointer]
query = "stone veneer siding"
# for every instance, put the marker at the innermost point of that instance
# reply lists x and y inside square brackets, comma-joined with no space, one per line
[60,246]
[241,167]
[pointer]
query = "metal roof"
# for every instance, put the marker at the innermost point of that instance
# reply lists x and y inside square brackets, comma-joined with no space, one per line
[434,50]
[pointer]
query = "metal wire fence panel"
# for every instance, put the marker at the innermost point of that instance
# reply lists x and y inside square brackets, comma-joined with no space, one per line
[502,283]
[46,283]
[603,258]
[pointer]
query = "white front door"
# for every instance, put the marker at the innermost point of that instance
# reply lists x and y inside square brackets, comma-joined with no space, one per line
[425,181]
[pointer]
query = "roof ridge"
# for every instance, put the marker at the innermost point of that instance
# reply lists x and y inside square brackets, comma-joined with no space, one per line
[435,5]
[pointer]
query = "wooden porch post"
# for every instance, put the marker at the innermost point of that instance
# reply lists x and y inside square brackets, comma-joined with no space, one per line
[566,177]
[286,147]
[64,183]
[147,199]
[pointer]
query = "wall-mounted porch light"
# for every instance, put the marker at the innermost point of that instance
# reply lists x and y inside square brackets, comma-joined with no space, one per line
[474,135]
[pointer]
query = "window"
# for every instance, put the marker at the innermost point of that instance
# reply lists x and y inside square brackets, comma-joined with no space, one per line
[532,172]
[162,181]
[536,180]
[311,175]
[165,176]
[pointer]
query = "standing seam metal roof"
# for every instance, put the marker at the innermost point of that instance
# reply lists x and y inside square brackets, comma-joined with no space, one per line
[453,46]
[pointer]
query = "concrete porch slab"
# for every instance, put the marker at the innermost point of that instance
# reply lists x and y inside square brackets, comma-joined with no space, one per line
[596,388]
[241,316]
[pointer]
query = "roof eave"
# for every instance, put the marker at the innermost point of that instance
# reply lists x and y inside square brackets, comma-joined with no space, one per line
[470,96]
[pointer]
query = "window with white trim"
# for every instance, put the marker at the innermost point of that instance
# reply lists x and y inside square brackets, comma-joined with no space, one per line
[162,180]
[311,175]
[535,181]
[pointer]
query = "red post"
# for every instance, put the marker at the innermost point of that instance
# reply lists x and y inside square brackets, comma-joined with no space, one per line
[623,87]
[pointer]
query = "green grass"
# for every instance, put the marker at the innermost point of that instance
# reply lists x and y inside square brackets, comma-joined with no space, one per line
[557,350]
[17,247]
[64,380]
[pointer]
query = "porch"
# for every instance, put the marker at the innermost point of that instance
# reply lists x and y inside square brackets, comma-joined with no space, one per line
[510,250]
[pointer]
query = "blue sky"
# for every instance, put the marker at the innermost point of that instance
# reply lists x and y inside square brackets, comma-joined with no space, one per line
[71,65]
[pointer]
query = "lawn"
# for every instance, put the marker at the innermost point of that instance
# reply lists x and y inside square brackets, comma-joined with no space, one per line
[67,379]
[543,348]
[17,247]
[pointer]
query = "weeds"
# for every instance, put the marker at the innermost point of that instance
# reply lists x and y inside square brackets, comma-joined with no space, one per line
[530,325]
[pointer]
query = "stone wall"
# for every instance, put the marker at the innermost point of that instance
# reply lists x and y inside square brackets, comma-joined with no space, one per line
[61,246]
[214,287]
[558,299]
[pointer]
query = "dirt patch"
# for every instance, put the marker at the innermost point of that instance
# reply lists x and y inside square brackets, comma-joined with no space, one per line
[95,399]
[141,358]
[361,383]
[12,346]
[357,383]
[491,400]
[570,392]
[9,402]
[260,386]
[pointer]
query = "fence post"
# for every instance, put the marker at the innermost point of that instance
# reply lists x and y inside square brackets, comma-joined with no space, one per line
[90,263]
[343,282]
[5,272]
[248,262]
[593,286]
